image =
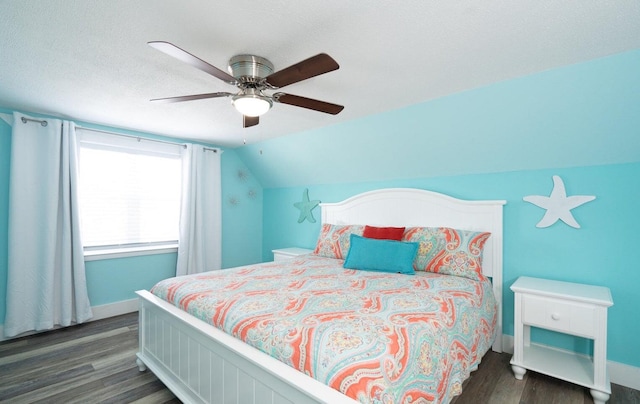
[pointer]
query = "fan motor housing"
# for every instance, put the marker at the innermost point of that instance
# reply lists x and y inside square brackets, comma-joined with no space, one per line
[249,68]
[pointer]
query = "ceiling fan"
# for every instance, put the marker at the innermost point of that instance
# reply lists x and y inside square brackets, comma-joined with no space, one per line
[253,75]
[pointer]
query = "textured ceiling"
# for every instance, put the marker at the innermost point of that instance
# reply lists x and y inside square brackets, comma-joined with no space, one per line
[89,60]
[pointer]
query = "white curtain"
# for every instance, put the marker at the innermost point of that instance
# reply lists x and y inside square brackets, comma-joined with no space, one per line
[200,242]
[46,284]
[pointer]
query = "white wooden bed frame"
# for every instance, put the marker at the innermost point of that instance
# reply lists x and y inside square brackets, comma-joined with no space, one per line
[201,364]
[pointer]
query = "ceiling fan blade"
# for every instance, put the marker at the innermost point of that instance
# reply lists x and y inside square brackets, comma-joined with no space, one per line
[308,103]
[306,69]
[249,121]
[191,97]
[181,54]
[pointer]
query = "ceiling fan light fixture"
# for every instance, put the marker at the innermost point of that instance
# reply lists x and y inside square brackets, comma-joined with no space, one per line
[252,74]
[252,104]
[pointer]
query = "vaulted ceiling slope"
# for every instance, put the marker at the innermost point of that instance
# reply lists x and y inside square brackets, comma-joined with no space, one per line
[585,114]
[90,60]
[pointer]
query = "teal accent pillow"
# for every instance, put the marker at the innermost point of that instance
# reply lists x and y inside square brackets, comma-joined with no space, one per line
[381,255]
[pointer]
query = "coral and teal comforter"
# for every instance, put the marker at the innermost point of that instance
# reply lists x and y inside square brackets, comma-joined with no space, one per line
[376,337]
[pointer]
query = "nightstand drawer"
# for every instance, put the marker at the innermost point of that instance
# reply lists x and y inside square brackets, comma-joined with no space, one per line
[559,315]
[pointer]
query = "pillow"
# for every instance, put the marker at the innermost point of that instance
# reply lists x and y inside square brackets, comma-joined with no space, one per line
[386,233]
[381,255]
[333,241]
[448,251]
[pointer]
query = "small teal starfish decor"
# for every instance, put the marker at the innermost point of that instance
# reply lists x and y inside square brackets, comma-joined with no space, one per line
[306,206]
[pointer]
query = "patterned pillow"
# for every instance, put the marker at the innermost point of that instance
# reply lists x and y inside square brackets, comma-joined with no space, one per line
[333,241]
[448,251]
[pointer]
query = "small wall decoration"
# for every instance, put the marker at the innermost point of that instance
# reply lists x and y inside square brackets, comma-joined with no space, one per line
[245,188]
[233,200]
[558,204]
[242,175]
[306,206]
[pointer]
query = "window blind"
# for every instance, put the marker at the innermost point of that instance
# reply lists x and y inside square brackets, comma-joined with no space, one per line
[129,191]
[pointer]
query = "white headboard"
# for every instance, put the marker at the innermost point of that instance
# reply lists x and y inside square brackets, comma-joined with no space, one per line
[416,207]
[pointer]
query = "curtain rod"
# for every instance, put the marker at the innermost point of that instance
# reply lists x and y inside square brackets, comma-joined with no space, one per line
[41,122]
[140,138]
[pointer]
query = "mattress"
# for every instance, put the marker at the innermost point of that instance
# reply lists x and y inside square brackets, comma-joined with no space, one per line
[375,337]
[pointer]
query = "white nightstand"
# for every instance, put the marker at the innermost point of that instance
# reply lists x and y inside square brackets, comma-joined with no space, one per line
[569,308]
[286,253]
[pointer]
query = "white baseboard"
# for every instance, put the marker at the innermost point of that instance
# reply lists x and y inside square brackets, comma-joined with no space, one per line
[99,313]
[619,373]
[624,375]
[114,309]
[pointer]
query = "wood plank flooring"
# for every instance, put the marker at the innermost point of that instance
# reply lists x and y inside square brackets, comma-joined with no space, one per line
[95,363]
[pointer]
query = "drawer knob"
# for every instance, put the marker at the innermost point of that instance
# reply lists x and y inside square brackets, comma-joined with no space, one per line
[555,316]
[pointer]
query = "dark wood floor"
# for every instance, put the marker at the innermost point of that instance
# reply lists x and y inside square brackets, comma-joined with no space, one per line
[95,363]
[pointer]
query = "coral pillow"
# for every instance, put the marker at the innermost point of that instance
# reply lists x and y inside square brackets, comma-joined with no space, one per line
[386,233]
[381,255]
[333,241]
[448,251]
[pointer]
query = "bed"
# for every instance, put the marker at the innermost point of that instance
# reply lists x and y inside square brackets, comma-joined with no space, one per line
[201,363]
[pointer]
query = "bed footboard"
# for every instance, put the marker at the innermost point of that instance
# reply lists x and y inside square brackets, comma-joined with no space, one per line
[201,364]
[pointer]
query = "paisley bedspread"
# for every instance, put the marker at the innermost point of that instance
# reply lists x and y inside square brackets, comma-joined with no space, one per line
[376,337]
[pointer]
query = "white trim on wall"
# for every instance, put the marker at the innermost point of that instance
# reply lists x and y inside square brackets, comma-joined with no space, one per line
[114,309]
[619,373]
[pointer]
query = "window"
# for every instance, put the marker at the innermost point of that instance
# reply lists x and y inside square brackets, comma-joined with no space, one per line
[129,193]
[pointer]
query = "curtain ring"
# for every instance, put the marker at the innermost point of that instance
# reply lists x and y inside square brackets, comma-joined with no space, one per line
[25,120]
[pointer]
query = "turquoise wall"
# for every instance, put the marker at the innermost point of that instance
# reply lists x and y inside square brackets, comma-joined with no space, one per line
[504,141]
[114,280]
[242,213]
[601,252]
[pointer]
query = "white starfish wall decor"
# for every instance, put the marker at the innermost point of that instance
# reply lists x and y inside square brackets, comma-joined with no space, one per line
[558,204]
